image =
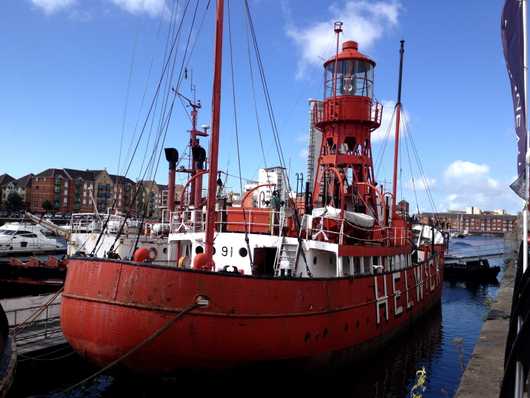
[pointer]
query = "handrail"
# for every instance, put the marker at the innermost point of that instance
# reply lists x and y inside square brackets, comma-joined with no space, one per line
[185,224]
[198,174]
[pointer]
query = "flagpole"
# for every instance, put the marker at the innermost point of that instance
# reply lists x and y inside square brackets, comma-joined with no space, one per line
[527,154]
[519,370]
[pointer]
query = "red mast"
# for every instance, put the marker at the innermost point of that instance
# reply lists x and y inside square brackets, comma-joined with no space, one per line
[398,122]
[214,140]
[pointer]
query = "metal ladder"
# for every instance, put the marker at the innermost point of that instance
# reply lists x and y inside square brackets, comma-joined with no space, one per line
[284,251]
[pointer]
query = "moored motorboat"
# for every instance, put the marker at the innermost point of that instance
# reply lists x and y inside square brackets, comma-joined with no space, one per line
[22,238]
[340,275]
[476,270]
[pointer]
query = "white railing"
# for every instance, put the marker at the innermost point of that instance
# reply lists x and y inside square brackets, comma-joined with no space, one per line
[268,222]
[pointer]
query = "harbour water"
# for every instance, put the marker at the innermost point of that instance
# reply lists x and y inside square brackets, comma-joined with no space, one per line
[442,343]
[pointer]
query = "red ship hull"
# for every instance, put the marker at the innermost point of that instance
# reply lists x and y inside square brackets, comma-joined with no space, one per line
[109,307]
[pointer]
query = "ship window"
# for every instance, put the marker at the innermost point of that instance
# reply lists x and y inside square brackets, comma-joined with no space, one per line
[367,265]
[22,232]
[243,252]
[356,265]
[199,249]
[397,263]
[346,267]
[7,232]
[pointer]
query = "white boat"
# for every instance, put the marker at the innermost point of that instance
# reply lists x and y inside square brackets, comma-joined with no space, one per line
[18,238]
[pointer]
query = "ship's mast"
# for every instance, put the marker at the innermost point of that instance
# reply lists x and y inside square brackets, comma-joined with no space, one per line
[398,122]
[214,139]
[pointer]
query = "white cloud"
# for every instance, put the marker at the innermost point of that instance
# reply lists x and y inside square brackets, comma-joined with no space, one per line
[51,6]
[151,7]
[364,21]
[470,184]
[462,168]
[388,123]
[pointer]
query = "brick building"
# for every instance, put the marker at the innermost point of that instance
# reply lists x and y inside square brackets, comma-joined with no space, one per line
[81,191]
[486,222]
[163,193]
[53,186]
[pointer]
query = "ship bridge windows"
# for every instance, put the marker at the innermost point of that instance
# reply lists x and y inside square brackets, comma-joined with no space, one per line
[354,77]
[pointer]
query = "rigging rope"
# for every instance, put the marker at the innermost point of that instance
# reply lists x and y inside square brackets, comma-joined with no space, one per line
[421,170]
[236,128]
[258,124]
[384,144]
[127,92]
[164,127]
[149,113]
[275,133]
[407,144]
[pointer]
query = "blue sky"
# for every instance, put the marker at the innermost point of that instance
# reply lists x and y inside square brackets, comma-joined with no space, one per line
[66,64]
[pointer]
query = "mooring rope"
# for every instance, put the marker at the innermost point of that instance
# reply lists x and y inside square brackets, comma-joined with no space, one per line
[33,316]
[198,303]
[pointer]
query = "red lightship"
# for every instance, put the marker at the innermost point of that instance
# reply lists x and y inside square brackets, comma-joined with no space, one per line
[343,273]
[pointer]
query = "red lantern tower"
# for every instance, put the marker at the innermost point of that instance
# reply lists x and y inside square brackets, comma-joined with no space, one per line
[346,117]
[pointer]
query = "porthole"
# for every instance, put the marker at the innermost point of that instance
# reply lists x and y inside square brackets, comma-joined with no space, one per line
[243,252]
[199,249]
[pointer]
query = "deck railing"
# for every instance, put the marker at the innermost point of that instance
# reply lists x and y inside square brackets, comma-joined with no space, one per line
[43,325]
[270,222]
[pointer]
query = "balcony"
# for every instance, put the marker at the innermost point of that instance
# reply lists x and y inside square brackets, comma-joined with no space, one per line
[353,109]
